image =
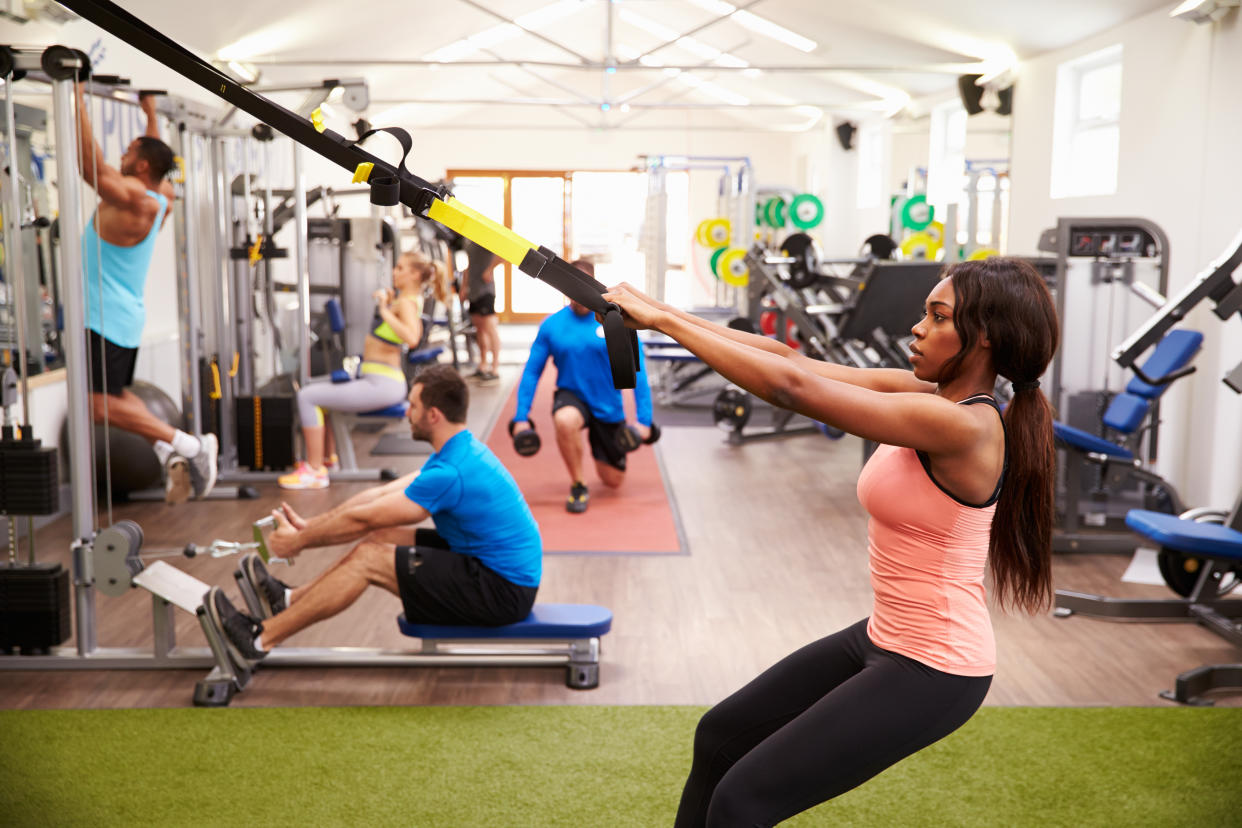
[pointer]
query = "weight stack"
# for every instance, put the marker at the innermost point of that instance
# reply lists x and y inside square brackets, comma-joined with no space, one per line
[34,607]
[29,476]
[265,433]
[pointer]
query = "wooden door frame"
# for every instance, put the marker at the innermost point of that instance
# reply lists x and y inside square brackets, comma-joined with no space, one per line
[507,176]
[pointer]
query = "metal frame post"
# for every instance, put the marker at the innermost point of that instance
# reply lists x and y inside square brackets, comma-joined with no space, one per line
[185,226]
[13,247]
[225,344]
[81,458]
[301,255]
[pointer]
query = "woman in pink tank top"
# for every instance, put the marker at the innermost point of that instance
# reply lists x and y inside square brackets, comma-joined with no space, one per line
[953,490]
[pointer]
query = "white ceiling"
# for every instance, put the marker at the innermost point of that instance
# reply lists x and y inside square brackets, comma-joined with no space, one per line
[869,55]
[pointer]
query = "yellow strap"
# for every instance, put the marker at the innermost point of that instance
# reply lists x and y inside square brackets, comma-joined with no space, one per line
[317,119]
[256,250]
[480,229]
[180,179]
[236,361]
[215,381]
[363,172]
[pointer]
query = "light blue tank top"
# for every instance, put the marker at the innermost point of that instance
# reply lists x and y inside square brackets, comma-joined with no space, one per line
[117,313]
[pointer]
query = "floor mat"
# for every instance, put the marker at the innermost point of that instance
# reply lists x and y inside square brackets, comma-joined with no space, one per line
[639,518]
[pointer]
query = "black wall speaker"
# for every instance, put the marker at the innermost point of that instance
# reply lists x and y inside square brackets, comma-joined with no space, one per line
[971,93]
[845,134]
[1005,106]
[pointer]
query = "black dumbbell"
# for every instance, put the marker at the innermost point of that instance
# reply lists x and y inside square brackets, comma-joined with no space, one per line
[629,439]
[526,442]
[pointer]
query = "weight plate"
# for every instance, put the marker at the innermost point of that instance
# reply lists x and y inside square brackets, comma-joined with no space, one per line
[805,269]
[980,253]
[718,233]
[920,246]
[916,213]
[806,211]
[715,260]
[733,269]
[700,232]
[731,409]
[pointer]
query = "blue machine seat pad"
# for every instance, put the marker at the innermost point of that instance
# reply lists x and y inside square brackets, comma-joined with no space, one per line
[552,621]
[1208,539]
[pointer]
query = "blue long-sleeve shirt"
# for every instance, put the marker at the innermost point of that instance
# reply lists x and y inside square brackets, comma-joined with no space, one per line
[576,345]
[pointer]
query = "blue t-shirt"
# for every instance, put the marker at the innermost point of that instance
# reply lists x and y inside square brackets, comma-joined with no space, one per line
[577,347]
[478,508]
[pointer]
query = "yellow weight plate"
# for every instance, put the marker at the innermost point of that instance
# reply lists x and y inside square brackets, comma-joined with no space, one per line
[733,267]
[700,232]
[920,246]
[982,253]
[718,233]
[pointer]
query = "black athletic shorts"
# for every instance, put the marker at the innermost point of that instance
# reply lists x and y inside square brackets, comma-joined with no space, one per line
[439,586]
[483,306]
[111,362]
[602,435]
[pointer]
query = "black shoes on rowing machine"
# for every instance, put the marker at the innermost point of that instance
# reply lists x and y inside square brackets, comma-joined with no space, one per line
[239,629]
[269,589]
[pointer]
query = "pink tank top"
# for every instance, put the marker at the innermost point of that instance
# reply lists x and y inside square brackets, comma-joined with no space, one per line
[928,552]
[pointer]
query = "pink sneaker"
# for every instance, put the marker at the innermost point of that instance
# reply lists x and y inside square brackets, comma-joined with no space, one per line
[304,477]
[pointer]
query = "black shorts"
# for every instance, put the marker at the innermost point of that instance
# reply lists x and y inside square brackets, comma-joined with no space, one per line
[602,435]
[439,586]
[483,306]
[111,362]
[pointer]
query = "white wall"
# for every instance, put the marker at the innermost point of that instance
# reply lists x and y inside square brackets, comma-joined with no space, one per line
[1178,166]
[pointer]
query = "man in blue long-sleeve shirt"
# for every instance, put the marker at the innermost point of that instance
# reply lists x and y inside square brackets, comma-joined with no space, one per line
[585,397]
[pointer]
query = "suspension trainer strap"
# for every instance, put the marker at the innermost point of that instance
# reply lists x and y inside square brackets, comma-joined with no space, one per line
[390,184]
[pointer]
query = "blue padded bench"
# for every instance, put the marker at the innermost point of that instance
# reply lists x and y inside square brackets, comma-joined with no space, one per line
[1210,552]
[563,634]
[1127,411]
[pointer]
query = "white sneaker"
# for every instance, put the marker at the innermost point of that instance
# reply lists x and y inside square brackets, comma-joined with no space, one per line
[177,483]
[203,466]
[304,477]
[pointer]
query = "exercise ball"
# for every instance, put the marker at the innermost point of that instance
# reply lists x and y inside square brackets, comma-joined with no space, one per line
[131,458]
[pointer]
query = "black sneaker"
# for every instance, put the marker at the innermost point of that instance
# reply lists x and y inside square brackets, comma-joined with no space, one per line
[240,630]
[269,589]
[578,497]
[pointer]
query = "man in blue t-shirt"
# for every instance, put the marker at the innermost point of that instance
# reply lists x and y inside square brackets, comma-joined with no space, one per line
[481,564]
[585,396]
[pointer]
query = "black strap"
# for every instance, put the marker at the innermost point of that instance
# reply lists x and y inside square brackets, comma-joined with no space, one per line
[386,189]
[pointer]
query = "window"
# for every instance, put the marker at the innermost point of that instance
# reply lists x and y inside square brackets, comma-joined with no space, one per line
[1087,125]
[946,162]
[872,163]
[590,214]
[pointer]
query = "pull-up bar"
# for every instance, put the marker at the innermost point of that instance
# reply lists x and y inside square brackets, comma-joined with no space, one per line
[389,184]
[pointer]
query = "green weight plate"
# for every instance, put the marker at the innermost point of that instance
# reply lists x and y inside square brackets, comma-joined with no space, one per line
[806,211]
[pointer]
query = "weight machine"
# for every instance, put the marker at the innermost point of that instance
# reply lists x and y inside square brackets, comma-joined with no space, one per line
[389,185]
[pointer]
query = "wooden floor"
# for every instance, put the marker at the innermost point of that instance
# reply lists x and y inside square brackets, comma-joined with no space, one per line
[777,559]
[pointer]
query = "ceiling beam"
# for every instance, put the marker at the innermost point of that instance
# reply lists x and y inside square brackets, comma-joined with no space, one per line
[628,66]
[531,32]
[696,30]
[566,104]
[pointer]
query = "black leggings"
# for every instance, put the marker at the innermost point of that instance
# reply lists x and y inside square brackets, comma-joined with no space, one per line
[823,720]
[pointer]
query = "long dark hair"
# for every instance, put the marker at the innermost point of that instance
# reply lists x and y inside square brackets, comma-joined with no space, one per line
[1006,301]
